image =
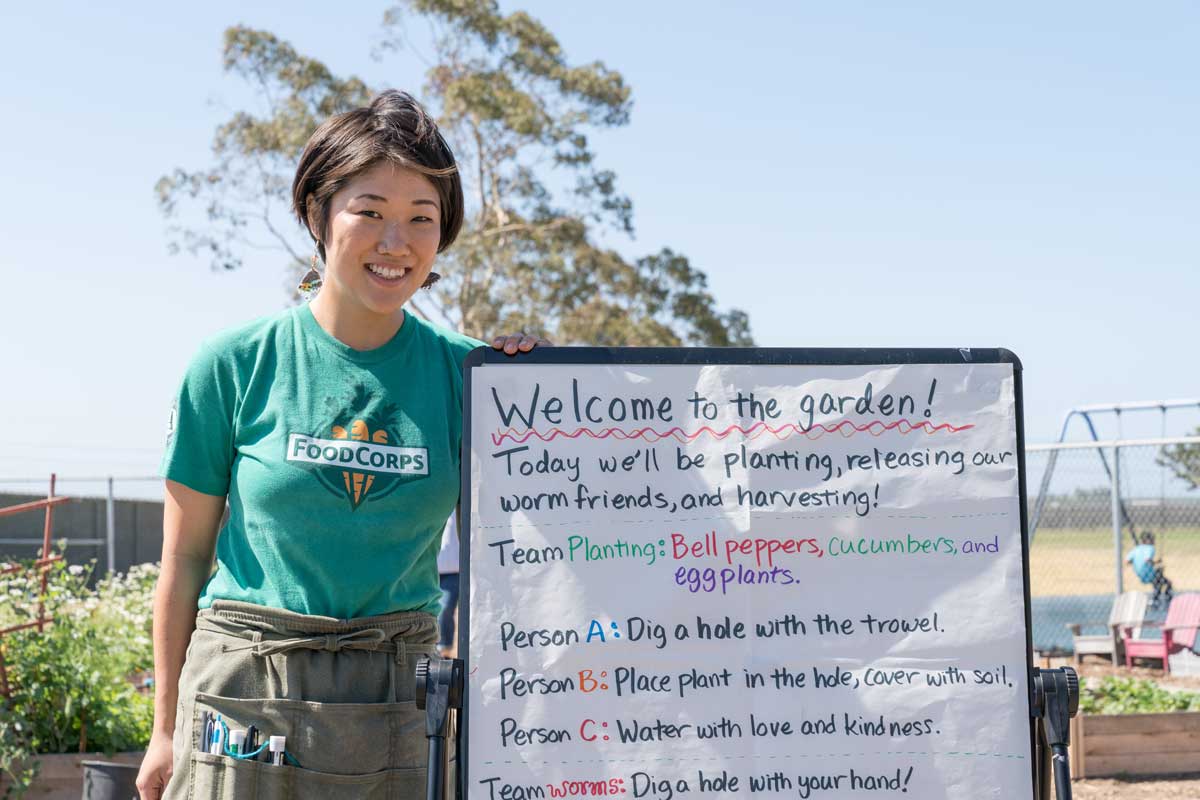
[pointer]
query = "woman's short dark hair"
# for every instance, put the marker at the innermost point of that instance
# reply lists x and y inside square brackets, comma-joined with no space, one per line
[393,128]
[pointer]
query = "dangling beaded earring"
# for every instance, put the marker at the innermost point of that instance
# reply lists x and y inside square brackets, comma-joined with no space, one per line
[311,282]
[431,280]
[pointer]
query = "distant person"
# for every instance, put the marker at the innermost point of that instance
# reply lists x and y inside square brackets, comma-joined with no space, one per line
[332,431]
[1141,558]
[1149,570]
[448,575]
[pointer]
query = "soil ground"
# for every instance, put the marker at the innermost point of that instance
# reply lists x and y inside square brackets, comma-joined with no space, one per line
[1182,788]
[1097,667]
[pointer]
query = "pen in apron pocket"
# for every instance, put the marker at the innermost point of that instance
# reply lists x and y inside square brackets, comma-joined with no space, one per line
[218,736]
[251,740]
[278,745]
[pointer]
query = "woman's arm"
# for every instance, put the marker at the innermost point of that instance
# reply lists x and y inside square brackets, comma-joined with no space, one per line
[190,524]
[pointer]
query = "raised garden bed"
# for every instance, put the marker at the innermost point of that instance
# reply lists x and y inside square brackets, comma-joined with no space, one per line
[60,776]
[1109,745]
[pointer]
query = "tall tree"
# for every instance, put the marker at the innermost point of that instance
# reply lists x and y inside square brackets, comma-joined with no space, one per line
[1183,460]
[531,255]
[245,193]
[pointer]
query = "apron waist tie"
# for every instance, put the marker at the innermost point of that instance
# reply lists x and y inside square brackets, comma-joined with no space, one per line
[363,639]
[371,639]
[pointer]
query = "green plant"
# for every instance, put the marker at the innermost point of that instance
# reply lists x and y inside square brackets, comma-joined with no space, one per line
[1114,695]
[17,768]
[74,684]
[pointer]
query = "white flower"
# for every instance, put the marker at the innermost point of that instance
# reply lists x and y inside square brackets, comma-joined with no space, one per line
[75,569]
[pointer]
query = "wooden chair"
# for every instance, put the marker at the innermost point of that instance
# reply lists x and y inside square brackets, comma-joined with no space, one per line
[1127,610]
[1178,632]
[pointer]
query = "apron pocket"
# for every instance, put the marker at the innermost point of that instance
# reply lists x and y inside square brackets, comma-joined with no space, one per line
[225,778]
[352,739]
[304,784]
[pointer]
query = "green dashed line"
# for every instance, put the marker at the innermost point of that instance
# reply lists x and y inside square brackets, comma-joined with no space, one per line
[734,513]
[1012,756]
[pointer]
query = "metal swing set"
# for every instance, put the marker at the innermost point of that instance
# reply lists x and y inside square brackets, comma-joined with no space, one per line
[1147,547]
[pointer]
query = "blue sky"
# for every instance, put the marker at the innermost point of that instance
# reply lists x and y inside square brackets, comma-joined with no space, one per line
[851,174]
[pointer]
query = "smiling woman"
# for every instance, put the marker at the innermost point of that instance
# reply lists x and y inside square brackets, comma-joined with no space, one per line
[379,192]
[332,430]
[393,130]
[380,237]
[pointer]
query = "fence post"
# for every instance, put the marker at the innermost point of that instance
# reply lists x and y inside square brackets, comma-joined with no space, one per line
[110,529]
[1115,495]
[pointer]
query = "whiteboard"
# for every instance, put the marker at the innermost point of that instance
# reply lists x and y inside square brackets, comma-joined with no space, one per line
[786,573]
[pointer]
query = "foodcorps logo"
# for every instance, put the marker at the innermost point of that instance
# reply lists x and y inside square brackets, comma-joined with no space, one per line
[364,458]
[375,457]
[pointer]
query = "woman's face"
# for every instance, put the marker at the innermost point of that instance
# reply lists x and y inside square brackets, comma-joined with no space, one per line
[382,239]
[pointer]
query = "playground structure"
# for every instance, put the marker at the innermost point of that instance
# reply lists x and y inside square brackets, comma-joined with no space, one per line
[1107,515]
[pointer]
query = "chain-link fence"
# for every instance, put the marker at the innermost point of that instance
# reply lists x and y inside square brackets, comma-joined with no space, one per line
[115,521]
[1079,559]
[1090,505]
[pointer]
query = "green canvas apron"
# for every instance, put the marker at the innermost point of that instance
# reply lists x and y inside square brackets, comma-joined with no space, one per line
[341,691]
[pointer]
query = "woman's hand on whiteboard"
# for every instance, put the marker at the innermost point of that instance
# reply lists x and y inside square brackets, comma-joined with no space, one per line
[522,342]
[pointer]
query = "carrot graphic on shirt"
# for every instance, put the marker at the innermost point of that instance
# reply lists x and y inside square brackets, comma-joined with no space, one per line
[358,426]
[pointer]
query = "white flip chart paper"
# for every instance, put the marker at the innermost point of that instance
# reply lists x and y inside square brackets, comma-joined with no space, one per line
[733,580]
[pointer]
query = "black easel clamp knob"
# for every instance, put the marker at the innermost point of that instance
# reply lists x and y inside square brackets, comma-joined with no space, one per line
[1054,700]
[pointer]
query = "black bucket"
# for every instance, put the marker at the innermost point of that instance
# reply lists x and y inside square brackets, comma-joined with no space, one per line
[104,780]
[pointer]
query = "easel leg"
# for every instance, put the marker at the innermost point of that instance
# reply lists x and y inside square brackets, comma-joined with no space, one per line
[439,685]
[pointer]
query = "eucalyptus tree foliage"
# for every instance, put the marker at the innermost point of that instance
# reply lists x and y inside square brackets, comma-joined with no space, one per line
[517,114]
[1183,460]
[245,193]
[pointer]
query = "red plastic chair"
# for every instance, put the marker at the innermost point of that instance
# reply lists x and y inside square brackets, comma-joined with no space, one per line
[1178,632]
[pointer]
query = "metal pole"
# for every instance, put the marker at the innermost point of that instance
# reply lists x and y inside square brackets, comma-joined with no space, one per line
[41,617]
[1117,520]
[110,528]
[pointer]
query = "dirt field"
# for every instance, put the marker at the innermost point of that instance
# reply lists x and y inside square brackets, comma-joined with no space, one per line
[1081,561]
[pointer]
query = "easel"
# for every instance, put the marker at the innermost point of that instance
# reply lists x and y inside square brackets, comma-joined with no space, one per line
[1038,750]
[1055,699]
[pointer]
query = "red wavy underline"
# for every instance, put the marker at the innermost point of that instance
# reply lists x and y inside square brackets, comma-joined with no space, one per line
[846,428]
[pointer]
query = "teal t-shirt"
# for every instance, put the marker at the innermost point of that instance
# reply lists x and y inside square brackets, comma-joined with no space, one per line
[340,466]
